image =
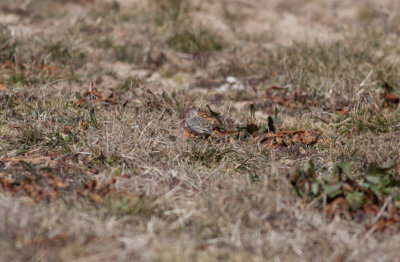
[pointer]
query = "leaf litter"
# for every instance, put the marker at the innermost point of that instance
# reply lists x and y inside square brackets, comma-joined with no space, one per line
[40,179]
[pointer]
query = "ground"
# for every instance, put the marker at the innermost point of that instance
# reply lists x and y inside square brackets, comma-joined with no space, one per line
[96,163]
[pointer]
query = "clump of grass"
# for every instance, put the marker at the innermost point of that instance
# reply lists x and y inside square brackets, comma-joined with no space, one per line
[176,17]
[7,46]
[312,66]
[39,61]
[123,206]
[232,14]
[188,40]
[364,118]
[206,154]
[168,11]
[31,136]
[130,53]
[62,53]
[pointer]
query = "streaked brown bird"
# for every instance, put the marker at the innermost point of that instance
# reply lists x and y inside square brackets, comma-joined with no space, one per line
[198,125]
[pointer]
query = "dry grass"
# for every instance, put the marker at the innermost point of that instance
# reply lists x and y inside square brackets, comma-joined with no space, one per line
[142,64]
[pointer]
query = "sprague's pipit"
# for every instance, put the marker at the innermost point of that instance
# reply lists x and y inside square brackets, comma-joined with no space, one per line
[198,125]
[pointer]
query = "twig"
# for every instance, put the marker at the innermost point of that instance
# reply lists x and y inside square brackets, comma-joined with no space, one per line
[378,216]
[366,78]
[227,112]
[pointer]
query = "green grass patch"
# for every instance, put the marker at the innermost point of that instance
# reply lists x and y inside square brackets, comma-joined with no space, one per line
[191,41]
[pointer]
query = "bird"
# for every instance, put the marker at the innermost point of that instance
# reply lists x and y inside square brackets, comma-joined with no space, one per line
[198,125]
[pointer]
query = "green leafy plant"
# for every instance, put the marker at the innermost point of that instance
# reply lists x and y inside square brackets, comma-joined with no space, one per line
[379,181]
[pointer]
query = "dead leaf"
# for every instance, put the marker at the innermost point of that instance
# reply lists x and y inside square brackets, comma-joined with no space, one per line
[59,184]
[391,98]
[186,133]
[91,185]
[296,138]
[342,111]
[279,141]
[340,258]
[347,187]
[28,188]
[96,198]
[17,100]
[51,69]
[371,209]
[8,64]
[6,183]
[209,119]
[111,99]
[105,188]
[3,87]
[68,129]
[202,246]
[81,101]
[38,196]
[93,92]
[34,160]
[84,125]
[220,134]
[302,151]
[287,138]
[337,207]
[308,138]
[13,125]
[278,100]
[380,225]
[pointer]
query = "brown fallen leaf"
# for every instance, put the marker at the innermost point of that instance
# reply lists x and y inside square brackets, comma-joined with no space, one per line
[84,125]
[3,87]
[278,100]
[308,138]
[34,160]
[100,97]
[81,101]
[59,184]
[93,92]
[340,258]
[209,119]
[220,134]
[96,198]
[51,69]
[391,98]
[342,111]
[13,125]
[186,133]
[287,138]
[91,185]
[337,207]
[381,225]
[202,246]
[296,138]
[68,129]
[37,196]
[17,100]
[105,188]
[6,183]
[279,141]
[8,64]
[28,188]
